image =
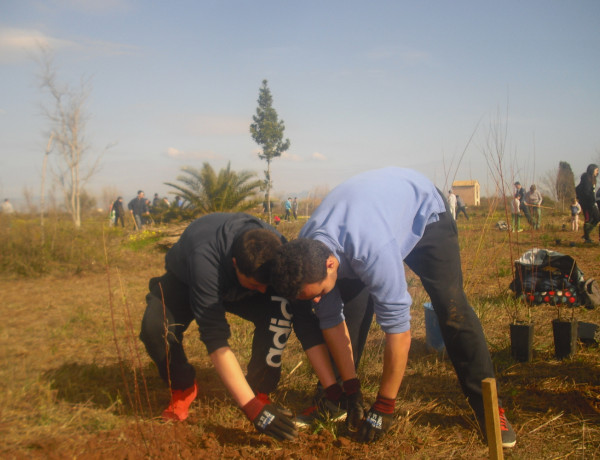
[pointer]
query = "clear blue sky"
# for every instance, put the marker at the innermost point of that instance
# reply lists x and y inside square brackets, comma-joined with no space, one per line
[359,85]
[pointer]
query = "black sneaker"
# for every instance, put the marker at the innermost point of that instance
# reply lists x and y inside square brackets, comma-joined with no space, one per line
[509,438]
[325,410]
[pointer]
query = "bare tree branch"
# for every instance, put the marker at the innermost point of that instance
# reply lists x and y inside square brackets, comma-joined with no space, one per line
[67,116]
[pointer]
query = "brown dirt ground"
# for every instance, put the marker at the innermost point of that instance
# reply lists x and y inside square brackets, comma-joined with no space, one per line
[553,405]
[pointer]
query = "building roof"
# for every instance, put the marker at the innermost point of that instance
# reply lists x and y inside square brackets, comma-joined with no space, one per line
[464,183]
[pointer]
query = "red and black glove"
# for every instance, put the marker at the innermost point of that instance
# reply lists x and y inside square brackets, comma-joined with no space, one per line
[334,392]
[264,397]
[355,404]
[270,419]
[379,419]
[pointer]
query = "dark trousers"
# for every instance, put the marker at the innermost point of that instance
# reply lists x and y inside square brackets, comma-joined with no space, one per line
[163,327]
[591,217]
[119,217]
[462,209]
[526,212]
[436,260]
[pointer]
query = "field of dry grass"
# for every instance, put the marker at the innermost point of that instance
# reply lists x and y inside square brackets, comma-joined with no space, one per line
[76,382]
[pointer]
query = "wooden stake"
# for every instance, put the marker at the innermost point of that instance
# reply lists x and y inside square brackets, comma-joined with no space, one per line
[492,420]
[135,225]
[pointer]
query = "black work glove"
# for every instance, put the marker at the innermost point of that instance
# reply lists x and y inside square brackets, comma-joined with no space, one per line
[331,404]
[375,425]
[356,412]
[264,397]
[355,404]
[270,420]
[379,420]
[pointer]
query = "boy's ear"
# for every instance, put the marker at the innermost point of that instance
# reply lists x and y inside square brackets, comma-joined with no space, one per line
[331,263]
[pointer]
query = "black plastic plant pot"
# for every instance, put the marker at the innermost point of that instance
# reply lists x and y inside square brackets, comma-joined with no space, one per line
[565,338]
[588,333]
[521,341]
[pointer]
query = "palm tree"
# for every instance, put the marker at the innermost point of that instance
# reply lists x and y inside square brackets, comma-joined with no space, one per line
[203,191]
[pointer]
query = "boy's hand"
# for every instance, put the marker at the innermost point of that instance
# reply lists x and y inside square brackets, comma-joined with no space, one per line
[379,419]
[376,425]
[270,419]
[356,409]
[356,412]
[273,422]
[265,398]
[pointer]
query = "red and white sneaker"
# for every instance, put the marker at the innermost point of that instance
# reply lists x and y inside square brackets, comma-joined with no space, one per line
[509,438]
[180,403]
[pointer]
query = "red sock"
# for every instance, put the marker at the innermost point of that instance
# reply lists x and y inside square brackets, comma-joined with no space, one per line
[384,405]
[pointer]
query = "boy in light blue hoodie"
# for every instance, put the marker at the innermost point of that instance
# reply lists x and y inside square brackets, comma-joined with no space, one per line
[361,235]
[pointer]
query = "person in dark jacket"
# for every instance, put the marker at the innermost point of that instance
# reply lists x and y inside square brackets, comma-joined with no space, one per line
[138,207]
[220,264]
[586,195]
[598,205]
[117,207]
[520,194]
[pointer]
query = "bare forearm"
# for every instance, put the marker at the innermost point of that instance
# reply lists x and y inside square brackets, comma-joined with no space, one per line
[394,363]
[321,363]
[340,347]
[232,376]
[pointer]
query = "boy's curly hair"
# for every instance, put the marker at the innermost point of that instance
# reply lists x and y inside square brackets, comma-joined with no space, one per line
[297,263]
[254,251]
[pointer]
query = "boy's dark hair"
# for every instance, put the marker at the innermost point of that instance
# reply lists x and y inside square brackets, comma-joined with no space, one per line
[297,263]
[254,251]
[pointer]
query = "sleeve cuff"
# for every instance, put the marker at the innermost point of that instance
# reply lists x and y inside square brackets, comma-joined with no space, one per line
[330,309]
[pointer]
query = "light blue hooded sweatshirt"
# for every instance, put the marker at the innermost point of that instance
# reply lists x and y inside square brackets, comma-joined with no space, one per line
[371,223]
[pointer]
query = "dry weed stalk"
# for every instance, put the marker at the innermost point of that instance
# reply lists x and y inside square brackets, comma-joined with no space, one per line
[495,153]
[135,399]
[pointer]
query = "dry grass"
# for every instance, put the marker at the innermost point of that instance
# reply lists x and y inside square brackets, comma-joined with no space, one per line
[74,386]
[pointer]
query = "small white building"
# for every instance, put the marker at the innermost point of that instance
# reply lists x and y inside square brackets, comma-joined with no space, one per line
[468,190]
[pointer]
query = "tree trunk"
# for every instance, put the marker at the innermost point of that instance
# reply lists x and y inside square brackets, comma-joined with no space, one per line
[43,185]
[42,191]
[77,197]
[74,198]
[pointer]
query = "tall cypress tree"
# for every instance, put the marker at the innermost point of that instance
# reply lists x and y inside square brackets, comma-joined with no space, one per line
[267,131]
